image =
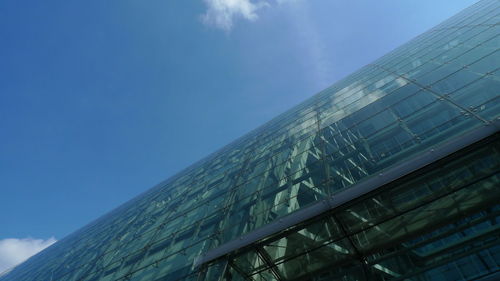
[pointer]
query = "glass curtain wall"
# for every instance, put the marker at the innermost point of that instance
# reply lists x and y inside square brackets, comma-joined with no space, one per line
[437,87]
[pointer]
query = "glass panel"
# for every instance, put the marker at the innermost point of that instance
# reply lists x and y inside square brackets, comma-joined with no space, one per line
[437,87]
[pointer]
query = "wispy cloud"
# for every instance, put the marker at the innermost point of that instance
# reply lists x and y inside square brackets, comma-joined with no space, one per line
[315,50]
[14,251]
[222,13]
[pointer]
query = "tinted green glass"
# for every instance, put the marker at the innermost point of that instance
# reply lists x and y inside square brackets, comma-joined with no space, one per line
[439,86]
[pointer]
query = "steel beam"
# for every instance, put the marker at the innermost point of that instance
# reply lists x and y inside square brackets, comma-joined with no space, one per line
[357,190]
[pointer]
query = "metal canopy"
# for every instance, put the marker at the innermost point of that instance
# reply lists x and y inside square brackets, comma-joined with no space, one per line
[360,189]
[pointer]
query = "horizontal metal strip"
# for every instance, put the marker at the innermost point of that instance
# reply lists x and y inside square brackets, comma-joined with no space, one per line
[356,191]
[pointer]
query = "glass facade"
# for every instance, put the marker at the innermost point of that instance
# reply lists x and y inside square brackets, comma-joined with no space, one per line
[440,223]
[437,222]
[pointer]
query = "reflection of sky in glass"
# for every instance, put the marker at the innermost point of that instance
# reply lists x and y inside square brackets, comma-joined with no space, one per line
[391,110]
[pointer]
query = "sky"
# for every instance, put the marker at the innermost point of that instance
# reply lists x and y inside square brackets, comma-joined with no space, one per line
[101,100]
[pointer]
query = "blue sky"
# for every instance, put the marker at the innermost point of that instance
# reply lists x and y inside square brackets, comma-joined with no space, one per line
[100,100]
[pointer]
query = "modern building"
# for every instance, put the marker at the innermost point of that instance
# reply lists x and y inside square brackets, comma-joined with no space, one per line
[390,174]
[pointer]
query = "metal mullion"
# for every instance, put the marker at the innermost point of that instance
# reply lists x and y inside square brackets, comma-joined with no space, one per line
[430,39]
[447,260]
[442,235]
[443,97]
[360,189]
[348,235]
[414,55]
[427,202]
[267,260]
[238,270]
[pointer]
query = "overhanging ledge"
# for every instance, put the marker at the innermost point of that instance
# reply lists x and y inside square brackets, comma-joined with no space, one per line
[429,156]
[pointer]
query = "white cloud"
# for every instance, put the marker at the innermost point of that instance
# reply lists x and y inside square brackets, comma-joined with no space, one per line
[222,13]
[14,251]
